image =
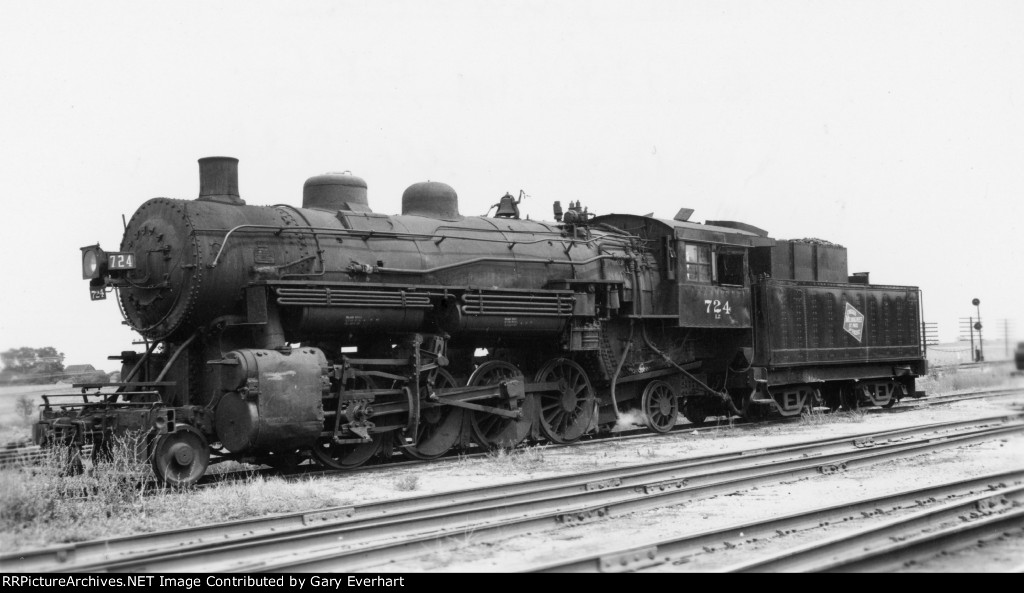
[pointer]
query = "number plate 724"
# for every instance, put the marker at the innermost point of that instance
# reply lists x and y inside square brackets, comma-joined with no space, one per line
[120,261]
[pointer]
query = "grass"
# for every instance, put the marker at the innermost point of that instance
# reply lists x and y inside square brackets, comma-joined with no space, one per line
[50,496]
[516,460]
[819,417]
[41,505]
[952,381]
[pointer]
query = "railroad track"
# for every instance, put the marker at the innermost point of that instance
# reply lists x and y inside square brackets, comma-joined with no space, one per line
[973,508]
[939,400]
[899,542]
[356,537]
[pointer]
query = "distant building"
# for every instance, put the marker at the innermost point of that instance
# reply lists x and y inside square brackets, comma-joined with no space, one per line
[74,370]
[84,373]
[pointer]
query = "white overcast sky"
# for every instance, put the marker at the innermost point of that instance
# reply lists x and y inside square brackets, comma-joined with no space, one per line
[894,128]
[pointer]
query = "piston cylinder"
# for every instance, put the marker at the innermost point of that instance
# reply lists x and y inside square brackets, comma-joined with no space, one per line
[272,400]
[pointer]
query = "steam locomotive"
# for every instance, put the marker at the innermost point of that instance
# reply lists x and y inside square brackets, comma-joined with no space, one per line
[275,334]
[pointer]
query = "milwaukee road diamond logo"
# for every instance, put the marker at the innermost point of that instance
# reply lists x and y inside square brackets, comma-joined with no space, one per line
[853,322]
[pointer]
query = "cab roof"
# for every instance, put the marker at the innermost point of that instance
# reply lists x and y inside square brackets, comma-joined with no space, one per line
[712,231]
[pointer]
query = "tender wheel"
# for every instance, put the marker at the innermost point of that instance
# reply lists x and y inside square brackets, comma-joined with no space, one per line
[440,427]
[899,392]
[348,455]
[832,397]
[180,458]
[852,395]
[493,431]
[565,414]
[660,405]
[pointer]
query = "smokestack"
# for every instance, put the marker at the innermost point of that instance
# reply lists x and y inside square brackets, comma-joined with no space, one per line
[218,180]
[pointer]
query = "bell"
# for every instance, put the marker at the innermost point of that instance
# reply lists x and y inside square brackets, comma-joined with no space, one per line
[507,208]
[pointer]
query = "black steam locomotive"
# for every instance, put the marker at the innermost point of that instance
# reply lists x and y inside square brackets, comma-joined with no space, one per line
[277,333]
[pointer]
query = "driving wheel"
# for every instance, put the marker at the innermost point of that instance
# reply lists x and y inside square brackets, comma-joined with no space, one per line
[348,455]
[440,426]
[566,412]
[493,431]
[345,456]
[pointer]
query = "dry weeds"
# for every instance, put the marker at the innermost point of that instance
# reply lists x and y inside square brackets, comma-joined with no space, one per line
[818,417]
[46,504]
[407,483]
[952,380]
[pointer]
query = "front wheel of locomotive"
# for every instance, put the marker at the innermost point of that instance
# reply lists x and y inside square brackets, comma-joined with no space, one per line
[660,405]
[440,426]
[565,413]
[180,458]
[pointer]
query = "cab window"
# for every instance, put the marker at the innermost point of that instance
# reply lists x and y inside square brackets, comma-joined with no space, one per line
[729,267]
[698,263]
[717,264]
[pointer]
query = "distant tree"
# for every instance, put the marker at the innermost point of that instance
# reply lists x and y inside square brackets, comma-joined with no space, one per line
[41,364]
[98,377]
[25,406]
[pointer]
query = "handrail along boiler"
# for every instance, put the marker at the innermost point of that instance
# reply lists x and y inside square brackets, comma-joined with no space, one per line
[332,332]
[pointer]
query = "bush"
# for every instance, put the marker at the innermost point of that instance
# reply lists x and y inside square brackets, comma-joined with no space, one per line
[26,407]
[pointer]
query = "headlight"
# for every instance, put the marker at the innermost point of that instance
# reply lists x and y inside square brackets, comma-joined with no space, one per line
[91,258]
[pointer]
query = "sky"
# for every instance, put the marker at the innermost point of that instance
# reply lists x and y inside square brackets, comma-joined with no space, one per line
[894,128]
